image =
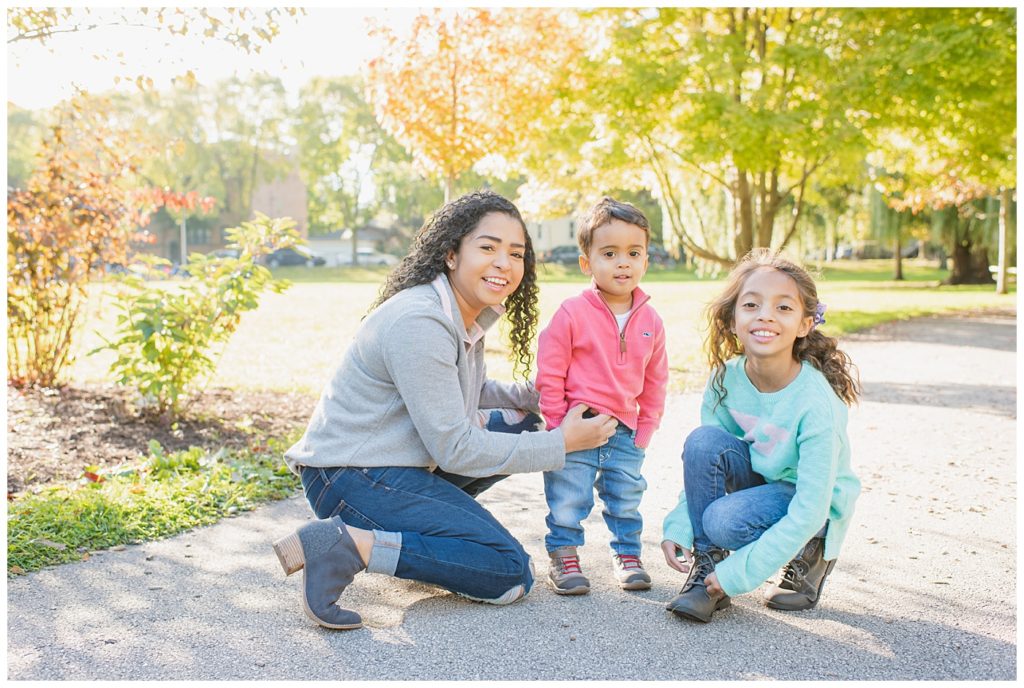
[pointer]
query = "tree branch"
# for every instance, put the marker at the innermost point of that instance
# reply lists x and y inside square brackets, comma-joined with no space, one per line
[700,169]
[797,210]
[700,222]
[807,173]
[675,217]
[42,35]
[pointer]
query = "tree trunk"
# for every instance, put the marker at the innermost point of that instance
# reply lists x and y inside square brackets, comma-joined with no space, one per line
[745,234]
[831,238]
[449,186]
[1004,222]
[767,208]
[234,210]
[970,264]
[897,249]
[897,258]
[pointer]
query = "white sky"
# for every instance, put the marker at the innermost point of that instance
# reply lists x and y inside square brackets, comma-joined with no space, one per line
[324,42]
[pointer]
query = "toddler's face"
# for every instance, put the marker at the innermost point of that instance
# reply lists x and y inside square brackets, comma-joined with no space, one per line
[617,260]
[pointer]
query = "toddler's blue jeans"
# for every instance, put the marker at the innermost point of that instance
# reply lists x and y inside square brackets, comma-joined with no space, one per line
[427,526]
[614,470]
[730,504]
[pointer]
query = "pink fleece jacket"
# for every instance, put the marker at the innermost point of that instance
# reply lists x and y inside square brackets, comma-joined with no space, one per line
[583,359]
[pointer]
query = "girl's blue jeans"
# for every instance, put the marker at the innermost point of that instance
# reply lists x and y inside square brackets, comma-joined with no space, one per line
[427,526]
[614,470]
[730,504]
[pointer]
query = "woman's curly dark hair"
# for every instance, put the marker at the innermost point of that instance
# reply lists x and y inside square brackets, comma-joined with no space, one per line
[818,348]
[442,233]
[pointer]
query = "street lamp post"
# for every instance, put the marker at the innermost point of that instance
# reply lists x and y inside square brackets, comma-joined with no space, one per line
[184,240]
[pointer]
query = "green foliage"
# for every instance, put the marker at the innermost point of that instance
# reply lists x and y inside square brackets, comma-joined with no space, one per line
[946,137]
[738,118]
[945,112]
[340,146]
[730,114]
[77,211]
[24,136]
[166,338]
[166,494]
[222,140]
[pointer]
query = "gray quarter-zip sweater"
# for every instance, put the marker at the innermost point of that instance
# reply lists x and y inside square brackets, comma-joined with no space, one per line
[405,392]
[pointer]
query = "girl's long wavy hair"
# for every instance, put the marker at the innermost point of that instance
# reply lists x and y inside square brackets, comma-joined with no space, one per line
[819,349]
[442,233]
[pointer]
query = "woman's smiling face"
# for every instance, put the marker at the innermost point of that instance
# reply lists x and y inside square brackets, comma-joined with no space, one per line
[489,265]
[769,315]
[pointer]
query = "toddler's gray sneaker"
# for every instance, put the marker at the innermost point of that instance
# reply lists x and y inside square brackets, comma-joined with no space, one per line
[630,572]
[565,574]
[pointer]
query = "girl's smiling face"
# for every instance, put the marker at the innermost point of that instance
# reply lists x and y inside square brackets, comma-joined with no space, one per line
[489,265]
[769,315]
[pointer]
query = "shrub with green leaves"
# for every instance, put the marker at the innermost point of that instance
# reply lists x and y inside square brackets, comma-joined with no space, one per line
[167,336]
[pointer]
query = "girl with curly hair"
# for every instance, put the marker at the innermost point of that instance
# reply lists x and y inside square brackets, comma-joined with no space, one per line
[409,430]
[767,475]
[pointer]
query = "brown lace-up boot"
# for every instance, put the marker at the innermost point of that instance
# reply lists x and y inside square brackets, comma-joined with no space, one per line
[802,579]
[693,601]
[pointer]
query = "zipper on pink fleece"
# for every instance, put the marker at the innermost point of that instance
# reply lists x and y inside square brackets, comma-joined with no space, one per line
[622,332]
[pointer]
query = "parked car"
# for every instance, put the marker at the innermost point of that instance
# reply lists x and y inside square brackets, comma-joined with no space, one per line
[368,256]
[912,251]
[291,256]
[225,253]
[657,255]
[870,250]
[565,255]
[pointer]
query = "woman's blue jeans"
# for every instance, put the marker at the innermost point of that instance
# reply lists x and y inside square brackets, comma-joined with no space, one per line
[614,470]
[427,526]
[730,504]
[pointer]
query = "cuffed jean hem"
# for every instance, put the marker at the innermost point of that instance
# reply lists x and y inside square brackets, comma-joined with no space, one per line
[384,556]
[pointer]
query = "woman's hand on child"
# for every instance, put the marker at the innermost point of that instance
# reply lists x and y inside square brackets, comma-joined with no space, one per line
[673,552]
[586,433]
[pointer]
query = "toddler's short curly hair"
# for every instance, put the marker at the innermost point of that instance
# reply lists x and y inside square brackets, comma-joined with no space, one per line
[606,210]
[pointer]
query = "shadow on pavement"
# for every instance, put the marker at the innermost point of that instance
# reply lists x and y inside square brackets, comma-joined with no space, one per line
[1000,400]
[997,331]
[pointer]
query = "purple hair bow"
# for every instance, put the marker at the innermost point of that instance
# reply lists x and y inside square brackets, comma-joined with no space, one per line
[819,315]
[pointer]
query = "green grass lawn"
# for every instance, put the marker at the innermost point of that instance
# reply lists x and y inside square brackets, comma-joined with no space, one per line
[161,495]
[294,340]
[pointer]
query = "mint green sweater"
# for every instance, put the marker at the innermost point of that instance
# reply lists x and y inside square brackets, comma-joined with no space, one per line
[797,434]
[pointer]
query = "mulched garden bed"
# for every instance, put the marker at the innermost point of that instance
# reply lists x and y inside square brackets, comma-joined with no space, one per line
[53,434]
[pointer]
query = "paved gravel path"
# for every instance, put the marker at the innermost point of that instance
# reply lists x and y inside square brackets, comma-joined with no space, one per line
[925,587]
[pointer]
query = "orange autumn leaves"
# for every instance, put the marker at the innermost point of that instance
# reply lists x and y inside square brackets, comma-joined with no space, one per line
[79,211]
[466,84]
